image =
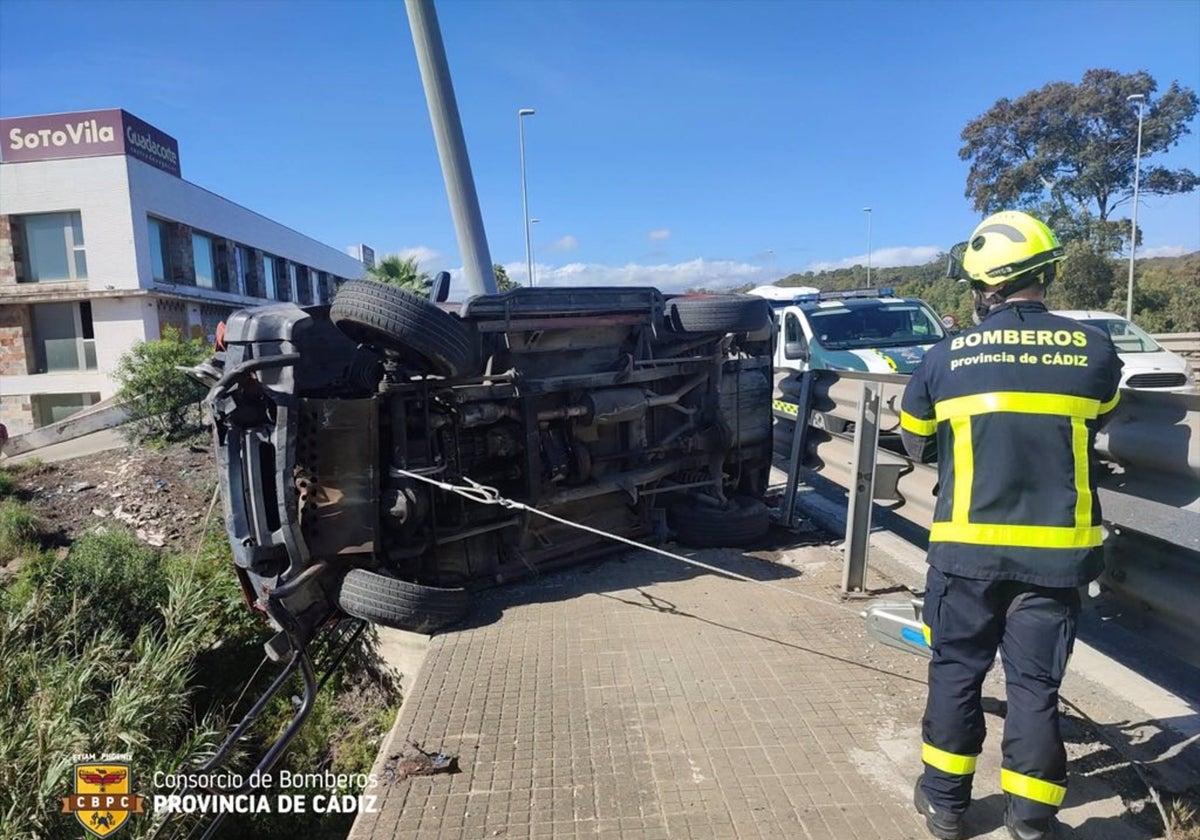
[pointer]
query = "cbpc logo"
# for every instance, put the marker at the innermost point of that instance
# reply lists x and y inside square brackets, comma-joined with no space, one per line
[102,801]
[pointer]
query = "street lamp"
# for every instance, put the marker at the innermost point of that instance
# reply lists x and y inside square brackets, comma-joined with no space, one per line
[1140,99]
[521,114]
[533,260]
[867,210]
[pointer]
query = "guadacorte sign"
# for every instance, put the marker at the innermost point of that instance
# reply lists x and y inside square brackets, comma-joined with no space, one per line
[87,134]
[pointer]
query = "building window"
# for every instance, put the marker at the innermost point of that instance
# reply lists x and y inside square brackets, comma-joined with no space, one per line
[270,286]
[203,259]
[50,408]
[63,338]
[319,282]
[52,248]
[160,249]
[303,285]
[293,282]
[241,258]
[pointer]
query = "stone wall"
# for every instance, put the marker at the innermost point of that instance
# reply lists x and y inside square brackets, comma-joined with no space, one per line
[16,413]
[16,339]
[8,267]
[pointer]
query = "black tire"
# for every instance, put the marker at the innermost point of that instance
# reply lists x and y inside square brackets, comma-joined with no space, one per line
[401,604]
[718,313]
[393,319]
[702,522]
[785,430]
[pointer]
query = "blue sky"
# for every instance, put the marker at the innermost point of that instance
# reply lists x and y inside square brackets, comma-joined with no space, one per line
[675,143]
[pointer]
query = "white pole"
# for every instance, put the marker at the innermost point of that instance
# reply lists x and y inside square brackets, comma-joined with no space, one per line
[451,146]
[1137,162]
[521,114]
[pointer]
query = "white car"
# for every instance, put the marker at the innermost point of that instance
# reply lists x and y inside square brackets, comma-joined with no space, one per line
[1148,365]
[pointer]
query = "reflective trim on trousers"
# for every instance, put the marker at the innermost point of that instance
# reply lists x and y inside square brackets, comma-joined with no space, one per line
[1039,790]
[947,762]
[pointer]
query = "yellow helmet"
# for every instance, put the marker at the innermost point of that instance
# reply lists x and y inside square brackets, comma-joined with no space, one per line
[1007,245]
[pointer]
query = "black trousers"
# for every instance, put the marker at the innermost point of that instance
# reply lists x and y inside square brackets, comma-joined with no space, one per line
[1034,629]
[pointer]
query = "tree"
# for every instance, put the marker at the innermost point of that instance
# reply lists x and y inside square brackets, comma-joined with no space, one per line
[161,400]
[503,283]
[1068,150]
[403,273]
[1087,278]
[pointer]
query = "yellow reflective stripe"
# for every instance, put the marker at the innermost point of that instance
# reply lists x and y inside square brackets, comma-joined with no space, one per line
[1039,790]
[1106,407]
[1083,491]
[916,425]
[927,632]
[1020,402]
[786,407]
[956,765]
[964,470]
[1016,536]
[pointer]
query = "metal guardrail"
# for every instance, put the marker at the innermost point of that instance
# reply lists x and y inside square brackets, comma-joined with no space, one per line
[1151,446]
[1186,345]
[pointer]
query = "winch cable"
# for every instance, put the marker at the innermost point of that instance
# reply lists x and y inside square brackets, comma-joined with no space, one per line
[485,495]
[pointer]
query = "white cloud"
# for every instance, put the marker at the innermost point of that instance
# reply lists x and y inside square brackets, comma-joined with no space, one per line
[697,273]
[883,258]
[658,235]
[419,253]
[668,277]
[563,243]
[1162,251]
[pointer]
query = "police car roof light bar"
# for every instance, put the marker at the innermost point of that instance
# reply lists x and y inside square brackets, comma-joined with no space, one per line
[846,294]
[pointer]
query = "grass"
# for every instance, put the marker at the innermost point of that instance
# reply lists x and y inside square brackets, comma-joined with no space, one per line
[119,647]
[18,531]
[1183,821]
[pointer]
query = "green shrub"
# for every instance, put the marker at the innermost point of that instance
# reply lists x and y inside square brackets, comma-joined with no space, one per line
[163,403]
[8,484]
[18,530]
[116,647]
[109,578]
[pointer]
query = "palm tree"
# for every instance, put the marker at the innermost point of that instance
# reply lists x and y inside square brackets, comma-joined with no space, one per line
[403,273]
[503,283]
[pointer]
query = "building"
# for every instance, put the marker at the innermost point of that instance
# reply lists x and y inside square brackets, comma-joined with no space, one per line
[104,244]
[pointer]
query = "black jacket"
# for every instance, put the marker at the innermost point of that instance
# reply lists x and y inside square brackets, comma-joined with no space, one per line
[1012,406]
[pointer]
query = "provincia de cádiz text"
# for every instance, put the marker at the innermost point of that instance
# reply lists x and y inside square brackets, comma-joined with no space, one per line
[279,792]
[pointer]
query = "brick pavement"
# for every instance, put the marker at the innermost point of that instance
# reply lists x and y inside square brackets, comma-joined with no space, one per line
[643,699]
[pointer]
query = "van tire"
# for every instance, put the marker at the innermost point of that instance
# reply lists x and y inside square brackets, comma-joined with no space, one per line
[703,522]
[401,604]
[393,319]
[718,313]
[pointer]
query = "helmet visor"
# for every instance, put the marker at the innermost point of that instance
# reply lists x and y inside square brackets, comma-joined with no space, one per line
[954,266]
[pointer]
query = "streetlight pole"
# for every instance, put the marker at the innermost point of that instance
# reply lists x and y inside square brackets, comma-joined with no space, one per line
[867,210]
[521,114]
[1140,99]
[532,259]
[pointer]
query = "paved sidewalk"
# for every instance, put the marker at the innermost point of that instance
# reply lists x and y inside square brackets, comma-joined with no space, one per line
[641,698]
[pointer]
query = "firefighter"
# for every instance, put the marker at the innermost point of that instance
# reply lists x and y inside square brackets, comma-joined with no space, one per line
[1009,409]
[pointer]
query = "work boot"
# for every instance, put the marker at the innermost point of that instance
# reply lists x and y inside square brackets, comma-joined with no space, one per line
[1042,828]
[941,824]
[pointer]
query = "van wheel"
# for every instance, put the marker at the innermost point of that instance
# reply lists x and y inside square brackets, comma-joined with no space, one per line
[718,313]
[401,604]
[426,338]
[703,522]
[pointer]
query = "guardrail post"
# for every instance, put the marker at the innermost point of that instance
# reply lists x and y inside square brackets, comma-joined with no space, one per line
[799,436]
[858,518]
